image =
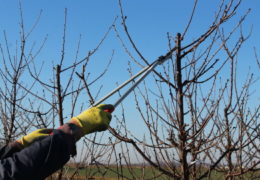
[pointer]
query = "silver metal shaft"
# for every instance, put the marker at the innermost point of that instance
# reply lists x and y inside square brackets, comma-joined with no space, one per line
[122,85]
[136,83]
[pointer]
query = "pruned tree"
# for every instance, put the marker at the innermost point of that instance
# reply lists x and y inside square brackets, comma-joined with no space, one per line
[15,106]
[199,119]
[30,100]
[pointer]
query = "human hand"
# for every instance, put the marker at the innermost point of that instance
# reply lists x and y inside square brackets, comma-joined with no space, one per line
[94,119]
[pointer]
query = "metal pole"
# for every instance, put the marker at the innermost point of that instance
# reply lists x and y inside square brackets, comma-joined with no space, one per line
[122,85]
[136,83]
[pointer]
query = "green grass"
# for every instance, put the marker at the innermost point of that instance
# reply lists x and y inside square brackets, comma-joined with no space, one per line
[113,172]
[134,172]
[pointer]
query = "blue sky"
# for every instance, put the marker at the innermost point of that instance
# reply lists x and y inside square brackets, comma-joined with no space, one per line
[148,22]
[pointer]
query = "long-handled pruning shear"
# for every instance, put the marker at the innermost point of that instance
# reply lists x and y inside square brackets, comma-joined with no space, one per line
[143,73]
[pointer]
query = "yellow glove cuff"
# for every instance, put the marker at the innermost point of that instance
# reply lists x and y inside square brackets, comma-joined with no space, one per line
[36,135]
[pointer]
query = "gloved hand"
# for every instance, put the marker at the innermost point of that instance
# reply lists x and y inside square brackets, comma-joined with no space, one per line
[36,135]
[94,119]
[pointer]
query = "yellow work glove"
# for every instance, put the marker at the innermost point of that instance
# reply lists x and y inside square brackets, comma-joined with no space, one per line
[36,135]
[94,119]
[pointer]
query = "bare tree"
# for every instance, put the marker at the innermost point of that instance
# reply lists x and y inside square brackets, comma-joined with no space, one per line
[15,106]
[29,100]
[199,120]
